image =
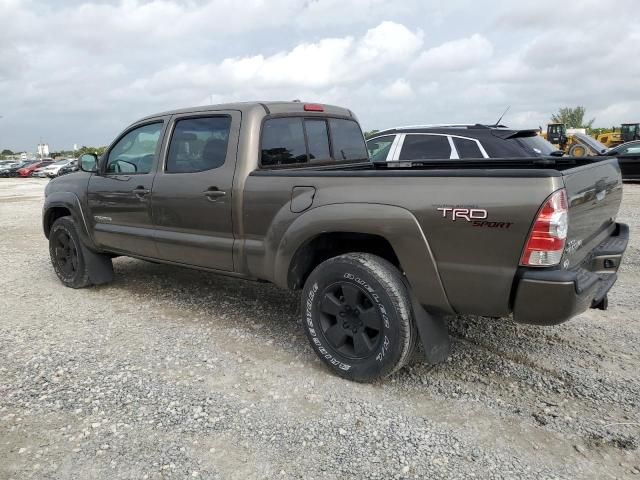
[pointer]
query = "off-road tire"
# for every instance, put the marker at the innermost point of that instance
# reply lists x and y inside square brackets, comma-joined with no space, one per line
[340,301]
[68,254]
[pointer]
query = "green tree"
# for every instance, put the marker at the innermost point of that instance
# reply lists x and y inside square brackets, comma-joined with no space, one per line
[572,117]
[370,134]
[6,151]
[97,150]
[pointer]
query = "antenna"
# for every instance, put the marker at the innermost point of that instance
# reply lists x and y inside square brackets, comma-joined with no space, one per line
[503,114]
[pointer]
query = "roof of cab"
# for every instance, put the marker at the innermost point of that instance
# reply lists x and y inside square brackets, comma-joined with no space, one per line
[269,108]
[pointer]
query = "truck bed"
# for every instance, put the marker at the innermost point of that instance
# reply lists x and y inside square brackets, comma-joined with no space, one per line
[503,167]
[477,265]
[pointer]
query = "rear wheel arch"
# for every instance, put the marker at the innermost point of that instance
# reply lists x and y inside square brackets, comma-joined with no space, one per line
[326,245]
[388,231]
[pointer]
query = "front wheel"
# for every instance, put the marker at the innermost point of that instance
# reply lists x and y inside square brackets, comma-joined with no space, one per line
[357,316]
[76,265]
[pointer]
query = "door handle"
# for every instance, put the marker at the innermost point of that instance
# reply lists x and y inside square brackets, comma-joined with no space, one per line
[213,193]
[141,191]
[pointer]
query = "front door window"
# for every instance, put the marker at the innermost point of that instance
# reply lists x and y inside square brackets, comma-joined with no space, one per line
[135,153]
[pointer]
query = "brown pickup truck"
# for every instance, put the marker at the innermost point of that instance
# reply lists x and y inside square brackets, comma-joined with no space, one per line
[284,192]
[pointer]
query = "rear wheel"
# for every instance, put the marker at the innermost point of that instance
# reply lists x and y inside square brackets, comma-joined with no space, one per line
[358,316]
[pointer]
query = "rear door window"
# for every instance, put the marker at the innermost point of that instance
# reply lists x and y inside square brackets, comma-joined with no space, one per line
[198,144]
[347,139]
[425,147]
[467,148]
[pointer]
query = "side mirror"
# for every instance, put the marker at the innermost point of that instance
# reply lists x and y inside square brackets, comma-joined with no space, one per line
[88,163]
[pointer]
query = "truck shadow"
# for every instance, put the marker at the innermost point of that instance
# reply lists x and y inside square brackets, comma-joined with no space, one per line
[226,298]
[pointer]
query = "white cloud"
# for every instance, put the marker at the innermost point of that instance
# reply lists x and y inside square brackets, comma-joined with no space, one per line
[324,64]
[455,55]
[77,71]
[398,90]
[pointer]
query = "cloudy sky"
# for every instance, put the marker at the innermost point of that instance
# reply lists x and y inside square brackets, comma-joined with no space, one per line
[77,72]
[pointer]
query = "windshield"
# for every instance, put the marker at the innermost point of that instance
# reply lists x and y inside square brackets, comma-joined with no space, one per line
[535,145]
[60,162]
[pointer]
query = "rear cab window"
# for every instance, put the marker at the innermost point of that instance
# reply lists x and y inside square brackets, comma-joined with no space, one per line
[297,140]
[348,142]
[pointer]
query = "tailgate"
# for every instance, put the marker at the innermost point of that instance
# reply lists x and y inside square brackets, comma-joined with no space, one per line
[594,192]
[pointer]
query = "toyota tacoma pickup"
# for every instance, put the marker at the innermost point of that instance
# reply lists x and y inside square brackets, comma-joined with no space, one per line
[284,192]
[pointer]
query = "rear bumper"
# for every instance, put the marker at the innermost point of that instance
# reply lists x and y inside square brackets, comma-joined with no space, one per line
[549,297]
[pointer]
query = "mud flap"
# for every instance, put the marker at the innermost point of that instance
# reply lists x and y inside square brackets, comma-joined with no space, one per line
[100,266]
[433,331]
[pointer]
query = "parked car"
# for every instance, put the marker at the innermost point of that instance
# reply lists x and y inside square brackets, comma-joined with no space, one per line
[39,172]
[12,169]
[457,142]
[7,164]
[284,192]
[28,170]
[52,169]
[628,155]
[71,167]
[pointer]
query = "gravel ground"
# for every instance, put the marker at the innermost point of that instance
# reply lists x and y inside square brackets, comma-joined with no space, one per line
[172,373]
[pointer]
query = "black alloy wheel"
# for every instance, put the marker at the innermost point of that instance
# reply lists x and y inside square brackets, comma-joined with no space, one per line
[357,316]
[349,320]
[65,252]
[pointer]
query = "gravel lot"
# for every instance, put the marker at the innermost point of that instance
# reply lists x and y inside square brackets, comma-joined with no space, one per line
[171,373]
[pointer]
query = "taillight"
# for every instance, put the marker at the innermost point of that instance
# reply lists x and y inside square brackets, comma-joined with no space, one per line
[548,235]
[313,107]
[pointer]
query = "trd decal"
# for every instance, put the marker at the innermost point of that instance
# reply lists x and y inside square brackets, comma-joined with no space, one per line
[475,216]
[467,214]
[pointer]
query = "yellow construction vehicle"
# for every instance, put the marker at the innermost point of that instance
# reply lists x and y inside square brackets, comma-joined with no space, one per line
[628,132]
[573,143]
[556,134]
[610,139]
[581,144]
